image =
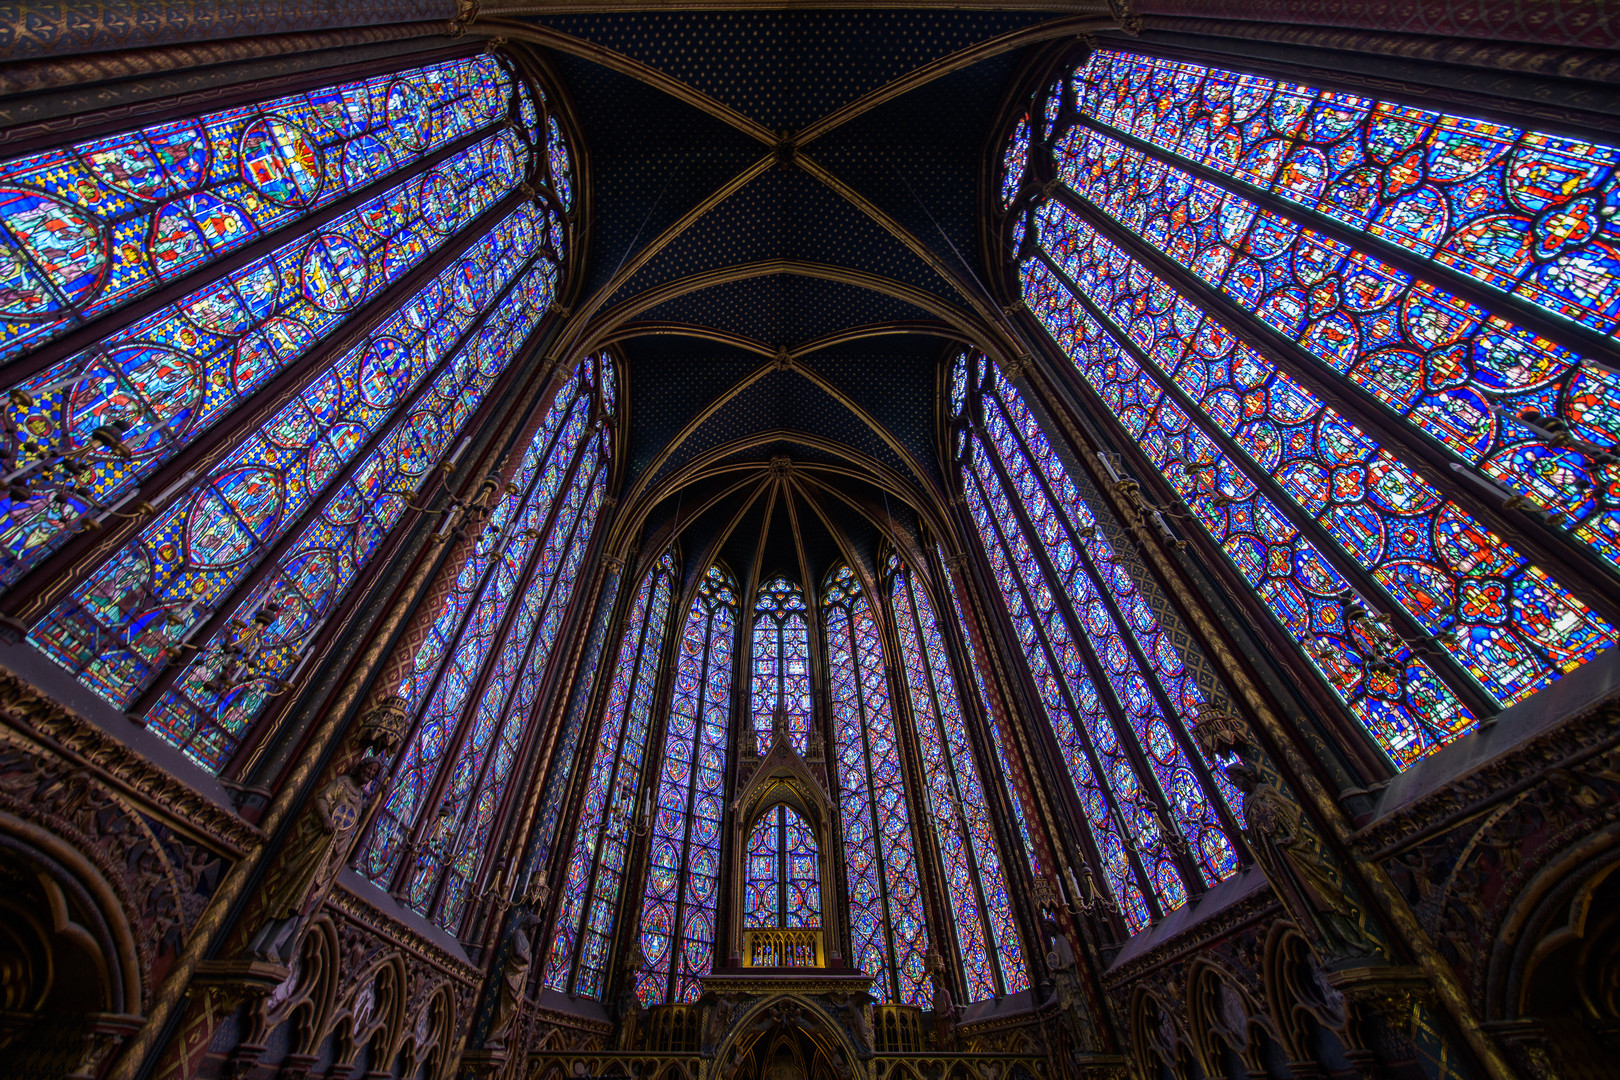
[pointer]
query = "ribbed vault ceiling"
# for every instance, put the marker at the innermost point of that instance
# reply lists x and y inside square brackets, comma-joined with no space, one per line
[784,250]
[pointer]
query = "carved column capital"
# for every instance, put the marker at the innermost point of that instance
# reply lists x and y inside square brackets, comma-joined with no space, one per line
[1014,367]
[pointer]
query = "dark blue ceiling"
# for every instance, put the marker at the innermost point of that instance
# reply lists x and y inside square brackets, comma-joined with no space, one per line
[788,69]
[916,158]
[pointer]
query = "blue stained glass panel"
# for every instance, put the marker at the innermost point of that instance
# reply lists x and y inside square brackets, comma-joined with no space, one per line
[511,690]
[683,873]
[1406,707]
[116,630]
[89,227]
[442,680]
[889,930]
[1482,387]
[1522,211]
[168,377]
[972,862]
[1501,617]
[762,860]
[995,728]
[781,663]
[612,796]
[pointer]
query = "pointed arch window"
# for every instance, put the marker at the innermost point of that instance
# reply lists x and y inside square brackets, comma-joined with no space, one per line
[782,875]
[89,227]
[988,948]
[204,615]
[157,384]
[1114,688]
[990,721]
[781,662]
[613,796]
[1312,247]
[472,701]
[888,922]
[683,874]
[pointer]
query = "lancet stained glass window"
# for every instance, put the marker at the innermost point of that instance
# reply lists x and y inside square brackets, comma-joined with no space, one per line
[782,875]
[473,711]
[88,227]
[1415,610]
[89,427]
[986,936]
[995,728]
[1521,211]
[259,549]
[888,923]
[683,872]
[781,662]
[1116,691]
[613,796]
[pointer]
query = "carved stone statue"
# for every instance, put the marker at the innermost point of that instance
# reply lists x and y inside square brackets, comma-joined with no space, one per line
[1276,832]
[513,981]
[1066,983]
[944,1005]
[1060,954]
[313,855]
[719,1019]
[629,1003]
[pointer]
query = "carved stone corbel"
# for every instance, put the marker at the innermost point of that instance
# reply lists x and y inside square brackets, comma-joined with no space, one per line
[381,728]
[1124,13]
[466,14]
[1392,992]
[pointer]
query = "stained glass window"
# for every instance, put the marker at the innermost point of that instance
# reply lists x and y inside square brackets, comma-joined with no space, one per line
[93,425]
[430,834]
[1414,610]
[1517,210]
[1115,689]
[338,464]
[782,875]
[88,227]
[781,663]
[888,924]
[995,729]
[988,947]
[613,796]
[206,614]
[683,873]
